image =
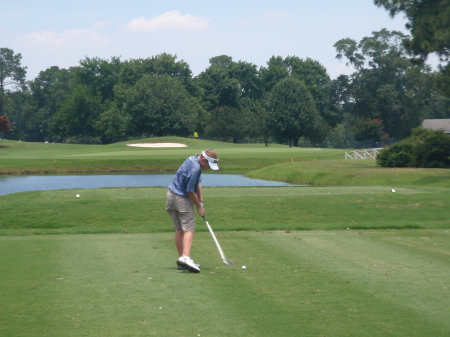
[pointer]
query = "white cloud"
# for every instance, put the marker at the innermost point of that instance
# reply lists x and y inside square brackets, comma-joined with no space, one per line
[100,25]
[169,20]
[57,39]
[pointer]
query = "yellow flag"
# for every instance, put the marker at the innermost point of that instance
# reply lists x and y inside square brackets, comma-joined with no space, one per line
[195,135]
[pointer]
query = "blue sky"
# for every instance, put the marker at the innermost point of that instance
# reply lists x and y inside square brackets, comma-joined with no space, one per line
[61,33]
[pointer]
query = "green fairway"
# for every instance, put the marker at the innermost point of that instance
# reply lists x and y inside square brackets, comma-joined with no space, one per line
[21,157]
[343,256]
[366,275]
[338,283]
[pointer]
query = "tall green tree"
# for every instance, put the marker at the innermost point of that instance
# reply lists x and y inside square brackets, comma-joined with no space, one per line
[292,112]
[160,105]
[429,23]
[275,71]
[319,84]
[12,74]
[48,91]
[112,124]
[226,82]
[313,74]
[78,114]
[51,87]
[219,88]
[219,85]
[255,114]
[223,61]
[163,64]
[226,123]
[100,75]
[227,86]
[384,86]
[422,90]
[21,110]
[248,79]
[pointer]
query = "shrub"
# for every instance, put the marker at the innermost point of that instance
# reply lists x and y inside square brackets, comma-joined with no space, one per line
[398,155]
[424,148]
[434,151]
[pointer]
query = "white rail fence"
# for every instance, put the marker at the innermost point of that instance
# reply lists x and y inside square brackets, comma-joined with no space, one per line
[363,154]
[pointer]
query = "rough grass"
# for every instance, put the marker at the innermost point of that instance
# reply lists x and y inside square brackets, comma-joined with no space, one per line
[141,210]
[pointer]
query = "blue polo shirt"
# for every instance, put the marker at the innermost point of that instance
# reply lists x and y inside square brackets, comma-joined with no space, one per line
[187,178]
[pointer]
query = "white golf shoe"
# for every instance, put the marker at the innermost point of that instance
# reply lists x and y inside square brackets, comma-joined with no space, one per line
[185,268]
[188,263]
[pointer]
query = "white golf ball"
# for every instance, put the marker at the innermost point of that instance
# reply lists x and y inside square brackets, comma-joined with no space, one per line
[244,267]
[77,195]
[392,190]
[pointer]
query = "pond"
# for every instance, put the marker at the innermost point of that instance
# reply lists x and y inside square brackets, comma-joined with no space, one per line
[13,184]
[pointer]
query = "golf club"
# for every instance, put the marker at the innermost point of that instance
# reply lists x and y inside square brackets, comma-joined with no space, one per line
[228,262]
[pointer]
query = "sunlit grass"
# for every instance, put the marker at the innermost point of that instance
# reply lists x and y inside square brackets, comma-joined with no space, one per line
[343,256]
[21,157]
[316,283]
[142,210]
[351,173]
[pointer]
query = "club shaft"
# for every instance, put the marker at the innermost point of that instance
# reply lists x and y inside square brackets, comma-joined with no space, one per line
[215,240]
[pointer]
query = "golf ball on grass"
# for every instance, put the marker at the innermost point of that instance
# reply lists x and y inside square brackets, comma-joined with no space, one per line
[244,267]
[77,195]
[392,190]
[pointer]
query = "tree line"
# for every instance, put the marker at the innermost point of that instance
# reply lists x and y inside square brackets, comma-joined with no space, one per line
[289,100]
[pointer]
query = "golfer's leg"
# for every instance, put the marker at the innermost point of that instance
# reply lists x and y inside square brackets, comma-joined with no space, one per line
[187,242]
[179,238]
[187,220]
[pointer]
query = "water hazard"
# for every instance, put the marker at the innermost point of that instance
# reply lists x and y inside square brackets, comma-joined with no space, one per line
[14,184]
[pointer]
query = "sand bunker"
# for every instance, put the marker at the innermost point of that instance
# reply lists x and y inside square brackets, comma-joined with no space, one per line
[158,145]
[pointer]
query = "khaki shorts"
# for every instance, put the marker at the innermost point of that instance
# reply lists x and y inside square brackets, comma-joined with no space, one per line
[181,210]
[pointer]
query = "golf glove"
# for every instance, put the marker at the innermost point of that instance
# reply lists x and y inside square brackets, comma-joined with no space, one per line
[201,203]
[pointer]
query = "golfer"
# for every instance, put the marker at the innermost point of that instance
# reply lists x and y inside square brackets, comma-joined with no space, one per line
[185,191]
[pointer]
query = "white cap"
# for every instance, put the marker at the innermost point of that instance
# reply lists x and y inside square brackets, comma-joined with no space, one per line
[211,161]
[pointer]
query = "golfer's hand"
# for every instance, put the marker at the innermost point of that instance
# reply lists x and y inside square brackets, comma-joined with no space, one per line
[201,211]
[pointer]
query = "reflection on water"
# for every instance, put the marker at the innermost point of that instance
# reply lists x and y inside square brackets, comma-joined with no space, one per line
[13,184]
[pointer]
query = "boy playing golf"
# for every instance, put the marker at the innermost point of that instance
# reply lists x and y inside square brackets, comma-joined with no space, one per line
[185,191]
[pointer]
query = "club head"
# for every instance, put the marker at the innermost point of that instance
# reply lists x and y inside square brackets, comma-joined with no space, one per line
[228,262]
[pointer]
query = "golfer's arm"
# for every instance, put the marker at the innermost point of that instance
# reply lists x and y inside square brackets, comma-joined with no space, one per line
[199,193]
[194,198]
